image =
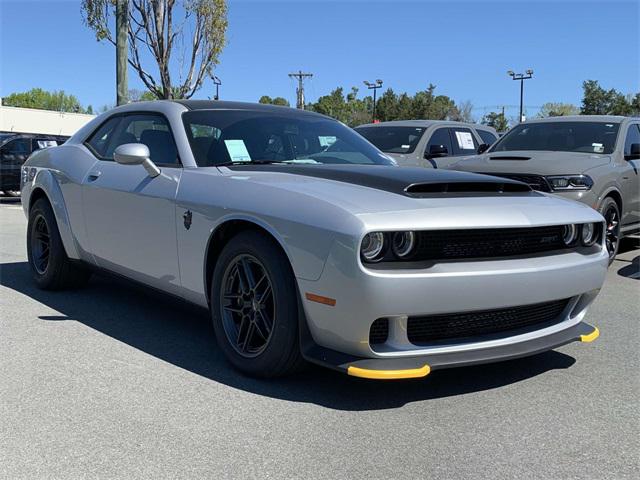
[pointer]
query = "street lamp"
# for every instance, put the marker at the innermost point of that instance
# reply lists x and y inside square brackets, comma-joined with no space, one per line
[522,77]
[375,86]
[217,82]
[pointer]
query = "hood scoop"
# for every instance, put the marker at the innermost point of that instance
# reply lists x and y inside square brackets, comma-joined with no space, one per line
[509,157]
[472,188]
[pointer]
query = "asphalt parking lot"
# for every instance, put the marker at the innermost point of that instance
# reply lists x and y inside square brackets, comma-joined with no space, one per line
[113,381]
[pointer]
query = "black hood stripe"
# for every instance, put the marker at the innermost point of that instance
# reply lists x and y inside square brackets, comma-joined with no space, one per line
[410,182]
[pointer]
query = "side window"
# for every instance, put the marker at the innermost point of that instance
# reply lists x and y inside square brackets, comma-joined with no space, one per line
[18,147]
[633,136]
[99,140]
[439,138]
[487,137]
[38,143]
[463,142]
[151,130]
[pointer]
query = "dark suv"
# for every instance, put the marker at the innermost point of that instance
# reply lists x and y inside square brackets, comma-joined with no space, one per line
[14,150]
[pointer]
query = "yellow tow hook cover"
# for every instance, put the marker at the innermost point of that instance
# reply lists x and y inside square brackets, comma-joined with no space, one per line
[591,336]
[389,374]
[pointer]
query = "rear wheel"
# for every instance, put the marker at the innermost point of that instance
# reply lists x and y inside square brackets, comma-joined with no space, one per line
[254,307]
[611,213]
[50,266]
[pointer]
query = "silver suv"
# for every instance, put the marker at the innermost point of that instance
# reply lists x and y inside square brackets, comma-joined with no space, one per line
[591,159]
[428,143]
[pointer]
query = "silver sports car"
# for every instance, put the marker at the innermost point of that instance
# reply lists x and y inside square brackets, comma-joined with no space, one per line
[305,242]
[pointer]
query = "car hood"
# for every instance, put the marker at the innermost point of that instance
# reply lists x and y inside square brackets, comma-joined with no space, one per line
[404,196]
[536,162]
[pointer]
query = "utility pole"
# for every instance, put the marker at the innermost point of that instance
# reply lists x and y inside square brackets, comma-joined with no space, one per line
[122,20]
[300,76]
[375,86]
[522,77]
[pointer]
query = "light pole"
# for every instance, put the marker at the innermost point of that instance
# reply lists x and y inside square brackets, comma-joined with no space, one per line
[375,86]
[217,82]
[522,77]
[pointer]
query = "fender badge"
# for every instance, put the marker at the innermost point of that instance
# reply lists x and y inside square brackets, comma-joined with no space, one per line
[187,219]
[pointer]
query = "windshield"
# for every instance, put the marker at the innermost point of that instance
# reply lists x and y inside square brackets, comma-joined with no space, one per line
[223,137]
[393,139]
[583,137]
[6,136]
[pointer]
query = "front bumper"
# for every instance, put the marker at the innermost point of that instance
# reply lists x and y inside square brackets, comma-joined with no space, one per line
[339,330]
[416,367]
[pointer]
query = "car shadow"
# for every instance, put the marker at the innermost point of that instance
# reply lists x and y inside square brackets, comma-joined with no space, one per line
[182,335]
[631,270]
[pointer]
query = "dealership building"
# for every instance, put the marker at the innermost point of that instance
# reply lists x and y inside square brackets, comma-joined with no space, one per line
[31,120]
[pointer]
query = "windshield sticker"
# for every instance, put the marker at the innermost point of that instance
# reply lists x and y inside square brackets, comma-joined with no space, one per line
[465,140]
[598,147]
[326,141]
[406,147]
[47,143]
[237,151]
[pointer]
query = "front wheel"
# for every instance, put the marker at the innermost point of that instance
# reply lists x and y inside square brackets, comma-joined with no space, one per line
[611,213]
[254,307]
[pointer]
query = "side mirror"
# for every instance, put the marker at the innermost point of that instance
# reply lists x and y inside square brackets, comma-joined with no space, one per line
[136,154]
[483,147]
[437,151]
[634,152]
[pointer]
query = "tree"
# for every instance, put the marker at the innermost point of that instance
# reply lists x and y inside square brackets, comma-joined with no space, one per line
[598,101]
[464,112]
[42,99]
[496,120]
[152,28]
[89,110]
[551,109]
[266,99]
[136,95]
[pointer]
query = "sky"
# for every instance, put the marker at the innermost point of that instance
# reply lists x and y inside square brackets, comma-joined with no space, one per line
[463,47]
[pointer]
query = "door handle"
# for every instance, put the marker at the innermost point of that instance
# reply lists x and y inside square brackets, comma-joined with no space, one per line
[93,176]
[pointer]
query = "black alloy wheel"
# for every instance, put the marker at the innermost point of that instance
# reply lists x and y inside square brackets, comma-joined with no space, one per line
[248,305]
[40,244]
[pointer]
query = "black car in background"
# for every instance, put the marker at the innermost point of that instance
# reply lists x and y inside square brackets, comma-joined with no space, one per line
[15,148]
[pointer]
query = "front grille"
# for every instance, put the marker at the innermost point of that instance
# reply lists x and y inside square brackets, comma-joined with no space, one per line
[451,326]
[487,243]
[379,331]
[537,182]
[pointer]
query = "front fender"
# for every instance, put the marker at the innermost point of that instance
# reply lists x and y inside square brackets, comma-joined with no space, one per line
[45,182]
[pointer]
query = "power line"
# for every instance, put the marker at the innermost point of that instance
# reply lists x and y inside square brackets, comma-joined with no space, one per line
[300,76]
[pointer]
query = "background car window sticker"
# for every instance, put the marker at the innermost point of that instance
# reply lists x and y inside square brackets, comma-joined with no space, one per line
[465,140]
[598,147]
[237,151]
[47,143]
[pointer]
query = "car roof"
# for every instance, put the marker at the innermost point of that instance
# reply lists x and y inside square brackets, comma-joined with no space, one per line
[229,105]
[580,118]
[417,123]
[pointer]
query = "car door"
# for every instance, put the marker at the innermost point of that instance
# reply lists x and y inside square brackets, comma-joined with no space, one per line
[12,155]
[630,179]
[130,216]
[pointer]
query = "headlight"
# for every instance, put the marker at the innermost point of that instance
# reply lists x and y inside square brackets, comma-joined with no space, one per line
[403,244]
[569,234]
[570,182]
[590,233]
[372,246]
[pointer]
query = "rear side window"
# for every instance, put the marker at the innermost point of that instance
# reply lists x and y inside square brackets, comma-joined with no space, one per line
[463,142]
[440,137]
[99,141]
[633,136]
[487,137]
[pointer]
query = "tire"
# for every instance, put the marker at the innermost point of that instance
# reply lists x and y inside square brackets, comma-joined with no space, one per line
[50,267]
[250,342]
[611,213]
